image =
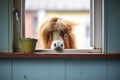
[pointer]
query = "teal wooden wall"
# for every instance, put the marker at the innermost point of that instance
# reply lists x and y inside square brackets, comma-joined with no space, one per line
[6,28]
[5,69]
[61,69]
[112,26]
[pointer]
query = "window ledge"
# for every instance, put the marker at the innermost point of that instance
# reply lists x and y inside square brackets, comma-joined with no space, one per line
[61,55]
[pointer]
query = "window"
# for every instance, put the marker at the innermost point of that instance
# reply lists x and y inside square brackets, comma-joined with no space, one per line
[87,12]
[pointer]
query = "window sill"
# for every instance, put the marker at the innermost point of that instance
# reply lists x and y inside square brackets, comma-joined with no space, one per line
[60,55]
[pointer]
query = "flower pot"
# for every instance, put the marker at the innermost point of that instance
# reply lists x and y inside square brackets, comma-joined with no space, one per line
[28,45]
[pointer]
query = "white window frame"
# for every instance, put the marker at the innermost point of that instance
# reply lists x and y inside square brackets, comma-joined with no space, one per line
[97,27]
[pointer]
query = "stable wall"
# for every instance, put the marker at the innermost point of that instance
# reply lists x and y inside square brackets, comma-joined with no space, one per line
[59,69]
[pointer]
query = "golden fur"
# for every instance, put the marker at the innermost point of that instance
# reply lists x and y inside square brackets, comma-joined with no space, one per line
[54,24]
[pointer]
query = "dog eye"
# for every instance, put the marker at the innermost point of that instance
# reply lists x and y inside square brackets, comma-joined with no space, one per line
[65,36]
[50,36]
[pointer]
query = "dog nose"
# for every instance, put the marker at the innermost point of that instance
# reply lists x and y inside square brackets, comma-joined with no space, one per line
[58,45]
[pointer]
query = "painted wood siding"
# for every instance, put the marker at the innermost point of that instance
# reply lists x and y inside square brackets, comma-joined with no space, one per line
[5,69]
[6,26]
[59,69]
[112,26]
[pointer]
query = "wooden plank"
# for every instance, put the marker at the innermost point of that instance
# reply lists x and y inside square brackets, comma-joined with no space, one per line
[63,55]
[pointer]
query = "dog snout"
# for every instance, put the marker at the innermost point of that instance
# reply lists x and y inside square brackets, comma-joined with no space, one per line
[58,45]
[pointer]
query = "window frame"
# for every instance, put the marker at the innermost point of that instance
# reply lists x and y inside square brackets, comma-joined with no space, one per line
[97,25]
[97,32]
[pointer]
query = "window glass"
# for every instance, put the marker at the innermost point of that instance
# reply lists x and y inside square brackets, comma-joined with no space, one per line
[74,10]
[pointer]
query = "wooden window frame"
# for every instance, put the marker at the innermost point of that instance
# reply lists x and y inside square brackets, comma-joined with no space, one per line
[97,26]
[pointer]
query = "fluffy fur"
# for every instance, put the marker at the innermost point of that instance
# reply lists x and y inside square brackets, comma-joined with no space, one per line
[56,24]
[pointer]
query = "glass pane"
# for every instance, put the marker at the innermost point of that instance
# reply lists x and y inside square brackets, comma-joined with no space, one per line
[74,10]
